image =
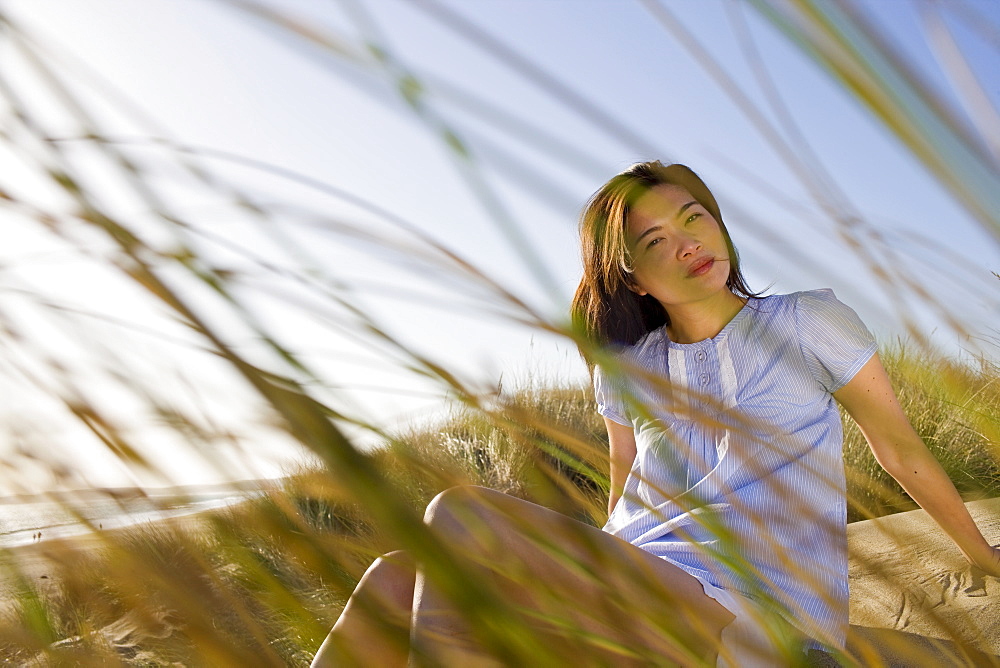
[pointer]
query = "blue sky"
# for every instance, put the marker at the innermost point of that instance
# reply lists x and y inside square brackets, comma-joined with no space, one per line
[208,75]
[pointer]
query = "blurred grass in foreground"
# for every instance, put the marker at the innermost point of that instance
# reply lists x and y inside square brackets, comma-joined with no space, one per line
[264,581]
[261,584]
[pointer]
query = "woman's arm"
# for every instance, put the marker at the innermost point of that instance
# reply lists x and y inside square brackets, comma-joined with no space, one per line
[622,442]
[871,401]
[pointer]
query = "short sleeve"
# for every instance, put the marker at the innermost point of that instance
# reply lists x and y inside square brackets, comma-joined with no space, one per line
[610,403]
[834,341]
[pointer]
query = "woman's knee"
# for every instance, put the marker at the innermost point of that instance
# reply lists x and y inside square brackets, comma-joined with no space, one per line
[454,508]
[454,499]
[391,578]
[396,563]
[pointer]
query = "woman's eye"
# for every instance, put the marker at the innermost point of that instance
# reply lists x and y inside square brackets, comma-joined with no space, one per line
[693,216]
[653,242]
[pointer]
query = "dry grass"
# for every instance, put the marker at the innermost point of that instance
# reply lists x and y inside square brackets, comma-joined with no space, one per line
[262,583]
[955,408]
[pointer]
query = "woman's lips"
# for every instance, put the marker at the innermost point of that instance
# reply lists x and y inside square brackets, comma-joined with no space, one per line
[701,267]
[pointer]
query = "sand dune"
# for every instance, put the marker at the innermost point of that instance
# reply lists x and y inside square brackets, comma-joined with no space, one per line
[914,598]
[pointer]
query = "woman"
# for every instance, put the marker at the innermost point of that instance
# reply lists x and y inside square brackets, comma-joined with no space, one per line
[726,533]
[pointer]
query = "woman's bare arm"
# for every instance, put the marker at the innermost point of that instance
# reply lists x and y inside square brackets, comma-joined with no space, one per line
[871,401]
[622,443]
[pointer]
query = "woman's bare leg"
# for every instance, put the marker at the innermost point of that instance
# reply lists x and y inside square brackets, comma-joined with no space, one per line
[595,582]
[374,628]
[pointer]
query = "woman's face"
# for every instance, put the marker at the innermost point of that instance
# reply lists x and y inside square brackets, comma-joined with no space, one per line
[679,254]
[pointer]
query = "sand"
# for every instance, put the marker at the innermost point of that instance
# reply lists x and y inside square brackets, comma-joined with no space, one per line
[911,589]
[40,565]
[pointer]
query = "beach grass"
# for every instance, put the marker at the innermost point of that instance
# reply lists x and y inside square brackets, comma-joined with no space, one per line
[262,582]
[954,405]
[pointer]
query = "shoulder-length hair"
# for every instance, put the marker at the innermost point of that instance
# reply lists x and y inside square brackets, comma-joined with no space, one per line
[604,309]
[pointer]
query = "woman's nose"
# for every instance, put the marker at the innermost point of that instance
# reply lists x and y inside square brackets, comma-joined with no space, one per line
[687,247]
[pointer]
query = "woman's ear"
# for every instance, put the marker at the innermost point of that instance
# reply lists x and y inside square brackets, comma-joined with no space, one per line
[634,287]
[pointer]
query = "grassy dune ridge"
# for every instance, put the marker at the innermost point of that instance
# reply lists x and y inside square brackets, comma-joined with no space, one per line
[264,581]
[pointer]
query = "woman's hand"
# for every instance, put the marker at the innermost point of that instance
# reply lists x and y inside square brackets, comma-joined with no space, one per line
[988,561]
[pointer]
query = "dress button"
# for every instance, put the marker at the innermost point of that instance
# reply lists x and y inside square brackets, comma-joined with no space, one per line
[700,356]
[704,379]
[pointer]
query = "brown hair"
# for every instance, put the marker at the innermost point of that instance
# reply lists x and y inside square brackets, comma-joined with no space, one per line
[604,309]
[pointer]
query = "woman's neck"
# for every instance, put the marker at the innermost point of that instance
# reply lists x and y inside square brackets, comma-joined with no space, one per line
[704,319]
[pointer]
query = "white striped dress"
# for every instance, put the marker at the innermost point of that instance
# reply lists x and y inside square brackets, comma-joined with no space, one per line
[738,477]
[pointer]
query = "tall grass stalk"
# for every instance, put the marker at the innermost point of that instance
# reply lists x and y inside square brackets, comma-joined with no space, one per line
[262,583]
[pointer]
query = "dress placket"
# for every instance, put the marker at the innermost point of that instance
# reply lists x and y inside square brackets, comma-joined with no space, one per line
[701,378]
